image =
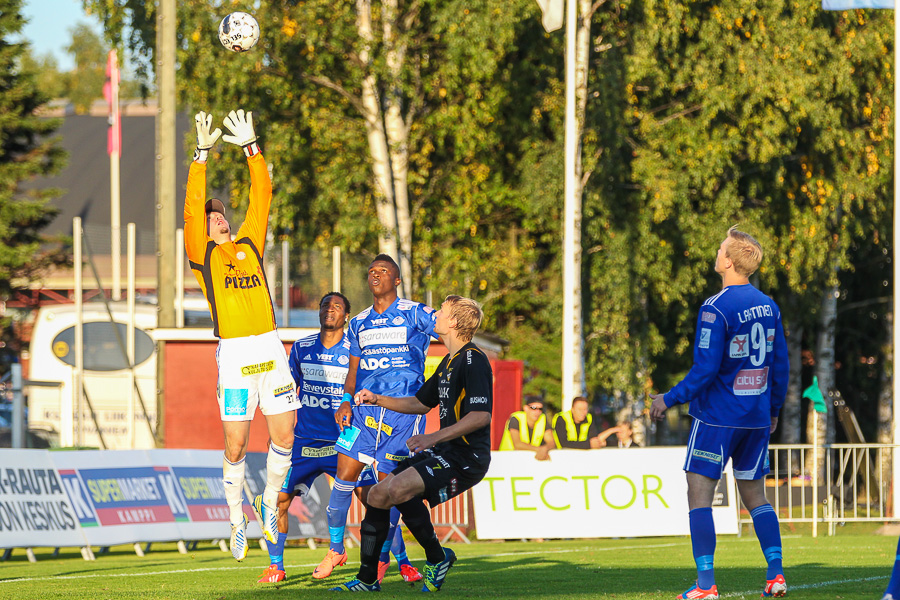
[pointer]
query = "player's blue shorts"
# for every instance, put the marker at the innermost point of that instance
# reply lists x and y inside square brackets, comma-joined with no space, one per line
[311,458]
[710,447]
[364,442]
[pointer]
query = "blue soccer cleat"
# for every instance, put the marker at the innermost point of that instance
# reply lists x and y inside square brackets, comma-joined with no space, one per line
[239,540]
[268,518]
[775,588]
[434,574]
[355,585]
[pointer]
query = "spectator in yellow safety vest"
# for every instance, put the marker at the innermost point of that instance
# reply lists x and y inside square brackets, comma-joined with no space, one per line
[527,429]
[575,428]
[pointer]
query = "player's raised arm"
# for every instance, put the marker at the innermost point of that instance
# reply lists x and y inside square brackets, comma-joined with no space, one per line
[195,224]
[408,404]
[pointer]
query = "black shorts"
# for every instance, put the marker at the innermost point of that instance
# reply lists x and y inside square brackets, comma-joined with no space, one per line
[446,473]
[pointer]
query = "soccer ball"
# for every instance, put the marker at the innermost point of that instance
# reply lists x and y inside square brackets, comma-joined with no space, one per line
[239,32]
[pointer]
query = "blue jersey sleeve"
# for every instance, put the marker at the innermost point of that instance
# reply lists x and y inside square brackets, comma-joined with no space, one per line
[709,347]
[425,319]
[353,338]
[781,368]
[294,363]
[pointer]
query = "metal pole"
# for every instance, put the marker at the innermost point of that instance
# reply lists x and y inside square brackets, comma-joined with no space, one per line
[336,268]
[895,462]
[165,190]
[129,343]
[815,475]
[78,392]
[114,190]
[285,286]
[18,407]
[179,278]
[571,330]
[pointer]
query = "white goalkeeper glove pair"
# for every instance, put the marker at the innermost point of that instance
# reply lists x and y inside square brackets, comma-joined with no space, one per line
[238,123]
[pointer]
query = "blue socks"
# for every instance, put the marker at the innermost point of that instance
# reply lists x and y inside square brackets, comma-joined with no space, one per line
[398,548]
[389,542]
[893,587]
[765,523]
[703,542]
[338,505]
[276,551]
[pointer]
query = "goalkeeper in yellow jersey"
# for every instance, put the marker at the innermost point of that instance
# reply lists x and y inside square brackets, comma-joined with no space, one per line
[253,365]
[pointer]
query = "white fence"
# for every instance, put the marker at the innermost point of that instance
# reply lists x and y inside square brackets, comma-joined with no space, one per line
[852,485]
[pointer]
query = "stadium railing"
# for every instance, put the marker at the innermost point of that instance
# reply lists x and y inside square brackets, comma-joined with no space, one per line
[854,485]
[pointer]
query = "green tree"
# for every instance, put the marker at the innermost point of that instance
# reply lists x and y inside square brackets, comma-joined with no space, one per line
[771,115]
[86,80]
[457,106]
[26,152]
[49,80]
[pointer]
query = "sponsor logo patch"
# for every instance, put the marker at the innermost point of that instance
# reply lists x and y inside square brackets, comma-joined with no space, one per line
[707,456]
[708,317]
[258,368]
[235,401]
[394,457]
[478,400]
[318,452]
[347,437]
[285,389]
[398,321]
[384,335]
[740,346]
[373,424]
[751,382]
[770,340]
[704,337]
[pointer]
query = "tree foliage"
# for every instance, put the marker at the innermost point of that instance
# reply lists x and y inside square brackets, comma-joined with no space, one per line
[768,114]
[26,151]
[771,115]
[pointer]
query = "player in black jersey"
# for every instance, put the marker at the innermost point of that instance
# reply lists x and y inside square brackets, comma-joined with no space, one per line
[446,462]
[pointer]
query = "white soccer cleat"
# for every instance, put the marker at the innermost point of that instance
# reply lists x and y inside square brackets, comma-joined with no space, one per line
[239,540]
[268,517]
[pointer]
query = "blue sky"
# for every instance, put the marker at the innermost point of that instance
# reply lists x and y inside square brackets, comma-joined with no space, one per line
[49,25]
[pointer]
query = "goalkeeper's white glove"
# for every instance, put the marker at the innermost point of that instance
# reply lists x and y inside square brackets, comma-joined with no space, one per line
[241,127]
[205,139]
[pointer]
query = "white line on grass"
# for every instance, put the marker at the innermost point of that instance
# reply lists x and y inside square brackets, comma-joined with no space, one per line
[173,571]
[806,586]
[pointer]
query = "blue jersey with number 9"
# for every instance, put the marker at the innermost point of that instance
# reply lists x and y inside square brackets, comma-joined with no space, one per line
[740,372]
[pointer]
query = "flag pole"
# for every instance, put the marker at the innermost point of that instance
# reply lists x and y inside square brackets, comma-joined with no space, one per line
[114,147]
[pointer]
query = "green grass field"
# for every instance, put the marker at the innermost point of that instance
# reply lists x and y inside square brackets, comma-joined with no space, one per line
[846,567]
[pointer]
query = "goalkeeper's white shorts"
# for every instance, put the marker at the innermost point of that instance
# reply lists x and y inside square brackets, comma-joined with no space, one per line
[254,371]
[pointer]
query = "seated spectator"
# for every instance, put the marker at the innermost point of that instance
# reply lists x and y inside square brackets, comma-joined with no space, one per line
[527,429]
[624,432]
[575,428]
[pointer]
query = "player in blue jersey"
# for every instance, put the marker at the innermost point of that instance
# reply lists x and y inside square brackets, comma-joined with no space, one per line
[319,364]
[447,462]
[388,344]
[736,388]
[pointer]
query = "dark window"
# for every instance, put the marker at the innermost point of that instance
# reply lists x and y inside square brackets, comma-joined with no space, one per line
[102,351]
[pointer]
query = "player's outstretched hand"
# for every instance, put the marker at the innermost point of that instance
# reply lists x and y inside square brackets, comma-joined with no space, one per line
[658,408]
[365,397]
[343,415]
[417,443]
[240,125]
[205,138]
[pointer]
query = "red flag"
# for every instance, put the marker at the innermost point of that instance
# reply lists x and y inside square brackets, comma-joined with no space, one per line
[111,93]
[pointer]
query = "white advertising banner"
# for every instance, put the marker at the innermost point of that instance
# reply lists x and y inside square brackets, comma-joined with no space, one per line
[34,507]
[592,493]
